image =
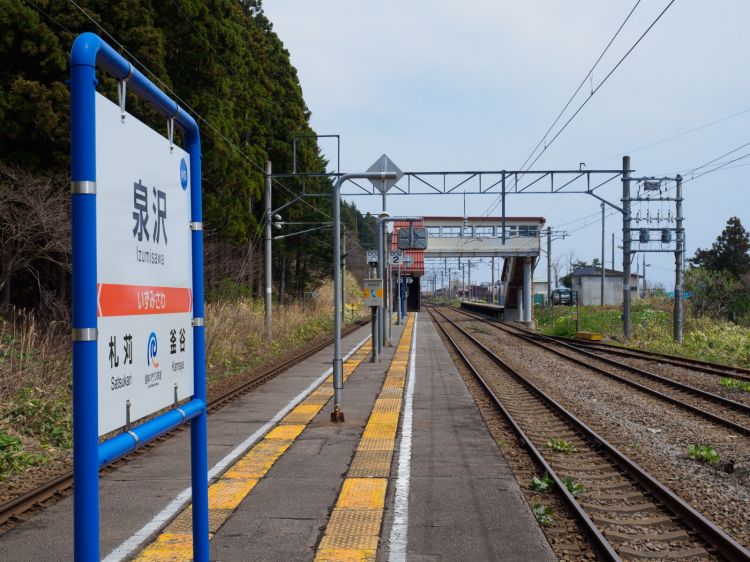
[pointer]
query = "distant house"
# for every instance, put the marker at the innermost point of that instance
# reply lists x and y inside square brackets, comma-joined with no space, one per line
[586,282]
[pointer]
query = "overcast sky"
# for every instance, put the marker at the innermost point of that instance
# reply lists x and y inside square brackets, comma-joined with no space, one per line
[443,85]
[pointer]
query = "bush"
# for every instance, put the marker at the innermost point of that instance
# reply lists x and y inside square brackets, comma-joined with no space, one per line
[718,294]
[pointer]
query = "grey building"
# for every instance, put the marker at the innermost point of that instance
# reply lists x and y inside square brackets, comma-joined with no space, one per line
[586,282]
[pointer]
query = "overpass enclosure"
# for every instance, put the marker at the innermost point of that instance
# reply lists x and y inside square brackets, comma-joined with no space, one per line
[464,238]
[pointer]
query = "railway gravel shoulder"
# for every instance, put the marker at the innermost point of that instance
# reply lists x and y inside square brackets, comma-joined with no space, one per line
[654,434]
[629,518]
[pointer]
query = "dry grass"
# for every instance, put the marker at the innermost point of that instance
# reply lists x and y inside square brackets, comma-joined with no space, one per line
[32,357]
[235,331]
[35,366]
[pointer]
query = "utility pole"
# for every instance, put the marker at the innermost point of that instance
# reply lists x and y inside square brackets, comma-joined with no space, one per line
[603,266]
[613,251]
[627,329]
[644,276]
[679,262]
[268,281]
[471,295]
[549,265]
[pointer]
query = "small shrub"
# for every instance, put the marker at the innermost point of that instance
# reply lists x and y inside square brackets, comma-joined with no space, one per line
[561,446]
[543,514]
[704,453]
[13,459]
[48,420]
[542,484]
[573,486]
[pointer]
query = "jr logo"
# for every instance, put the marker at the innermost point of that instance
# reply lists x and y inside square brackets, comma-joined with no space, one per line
[151,351]
[183,174]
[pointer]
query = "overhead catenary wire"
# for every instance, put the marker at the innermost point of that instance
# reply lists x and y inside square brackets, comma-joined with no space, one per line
[583,82]
[497,201]
[672,137]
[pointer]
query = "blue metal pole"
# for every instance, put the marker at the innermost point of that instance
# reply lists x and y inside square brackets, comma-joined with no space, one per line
[85,399]
[198,426]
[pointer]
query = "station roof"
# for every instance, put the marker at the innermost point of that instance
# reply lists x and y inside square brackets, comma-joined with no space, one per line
[540,220]
[593,271]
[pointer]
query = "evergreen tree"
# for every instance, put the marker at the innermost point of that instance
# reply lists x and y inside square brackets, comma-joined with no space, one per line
[729,253]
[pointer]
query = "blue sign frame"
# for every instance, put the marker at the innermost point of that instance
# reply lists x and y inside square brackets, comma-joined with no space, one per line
[88,52]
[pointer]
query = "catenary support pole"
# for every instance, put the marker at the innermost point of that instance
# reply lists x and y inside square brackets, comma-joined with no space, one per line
[343,276]
[679,262]
[549,265]
[337,414]
[613,251]
[626,324]
[492,287]
[527,296]
[267,257]
[604,268]
[381,275]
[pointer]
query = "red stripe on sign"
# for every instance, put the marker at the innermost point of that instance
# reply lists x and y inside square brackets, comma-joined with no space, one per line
[137,300]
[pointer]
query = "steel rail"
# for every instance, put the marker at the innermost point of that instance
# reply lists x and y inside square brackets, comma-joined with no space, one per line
[708,367]
[684,362]
[539,339]
[706,529]
[58,486]
[600,543]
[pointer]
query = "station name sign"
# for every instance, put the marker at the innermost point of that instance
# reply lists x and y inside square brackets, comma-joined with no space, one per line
[144,271]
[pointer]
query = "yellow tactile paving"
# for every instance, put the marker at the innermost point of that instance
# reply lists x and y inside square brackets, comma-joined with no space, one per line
[362,493]
[286,431]
[353,529]
[224,495]
[228,493]
[345,555]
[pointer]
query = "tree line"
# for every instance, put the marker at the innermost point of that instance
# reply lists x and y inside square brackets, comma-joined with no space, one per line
[224,61]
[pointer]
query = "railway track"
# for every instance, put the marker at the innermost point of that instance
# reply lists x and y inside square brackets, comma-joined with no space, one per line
[707,367]
[625,511]
[25,506]
[708,405]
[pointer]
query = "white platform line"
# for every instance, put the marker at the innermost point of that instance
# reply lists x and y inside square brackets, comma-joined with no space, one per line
[128,547]
[399,539]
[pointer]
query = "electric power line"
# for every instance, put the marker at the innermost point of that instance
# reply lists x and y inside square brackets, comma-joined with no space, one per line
[578,89]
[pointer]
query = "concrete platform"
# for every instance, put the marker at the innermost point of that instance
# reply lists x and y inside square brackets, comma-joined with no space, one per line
[458,499]
[464,502]
[132,496]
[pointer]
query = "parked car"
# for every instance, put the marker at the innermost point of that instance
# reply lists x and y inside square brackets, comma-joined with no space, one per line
[563,295]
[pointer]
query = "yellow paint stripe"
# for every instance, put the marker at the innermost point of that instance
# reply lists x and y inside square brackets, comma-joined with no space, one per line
[226,494]
[353,529]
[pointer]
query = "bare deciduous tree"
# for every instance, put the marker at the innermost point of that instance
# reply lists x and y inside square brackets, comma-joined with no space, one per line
[34,226]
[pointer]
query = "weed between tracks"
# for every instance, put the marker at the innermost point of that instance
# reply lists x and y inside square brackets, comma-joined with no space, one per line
[35,379]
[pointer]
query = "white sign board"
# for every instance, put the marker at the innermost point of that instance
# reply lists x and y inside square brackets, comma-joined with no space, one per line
[372,256]
[385,164]
[372,291]
[397,258]
[144,269]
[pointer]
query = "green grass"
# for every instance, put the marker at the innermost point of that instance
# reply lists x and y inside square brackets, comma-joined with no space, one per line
[734,384]
[707,339]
